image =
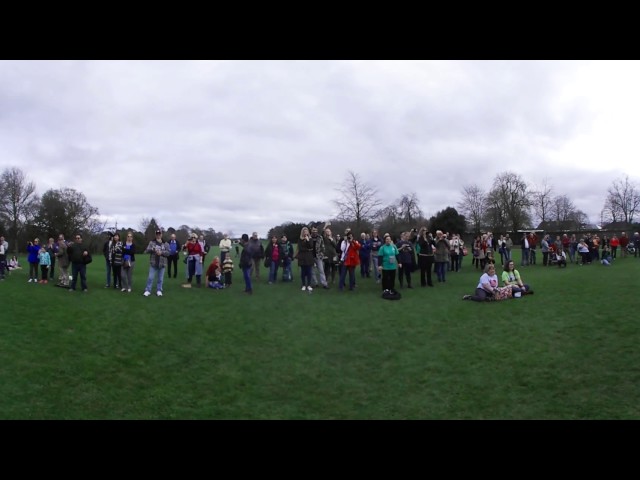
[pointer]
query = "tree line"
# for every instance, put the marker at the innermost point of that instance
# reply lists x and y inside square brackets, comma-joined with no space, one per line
[511,204]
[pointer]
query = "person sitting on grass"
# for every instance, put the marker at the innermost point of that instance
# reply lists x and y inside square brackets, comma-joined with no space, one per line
[511,278]
[214,266]
[487,286]
[561,258]
[215,280]
[607,259]
[13,264]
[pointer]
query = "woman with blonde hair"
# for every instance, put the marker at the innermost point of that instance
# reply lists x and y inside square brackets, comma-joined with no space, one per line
[304,254]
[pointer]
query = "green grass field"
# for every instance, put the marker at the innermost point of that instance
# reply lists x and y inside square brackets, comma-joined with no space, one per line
[568,352]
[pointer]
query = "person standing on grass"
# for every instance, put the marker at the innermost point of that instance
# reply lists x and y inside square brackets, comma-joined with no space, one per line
[4,251]
[63,262]
[159,253]
[33,249]
[225,247]
[388,260]
[624,242]
[195,257]
[105,252]
[331,259]
[441,255]
[349,259]
[287,259]
[304,255]
[246,263]
[273,255]
[544,248]
[583,250]
[425,257]
[365,255]
[129,260]
[227,270]
[115,258]
[317,271]
[44,259]
[614,243]
[52,248]
[174,253]
[405,260]
[78,257]
[257,253]
[636,243]
[376,243]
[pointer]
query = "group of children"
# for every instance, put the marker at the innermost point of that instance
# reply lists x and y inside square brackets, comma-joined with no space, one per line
[219,274]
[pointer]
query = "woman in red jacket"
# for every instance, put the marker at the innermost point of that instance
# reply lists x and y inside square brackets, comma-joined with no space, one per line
[349,260]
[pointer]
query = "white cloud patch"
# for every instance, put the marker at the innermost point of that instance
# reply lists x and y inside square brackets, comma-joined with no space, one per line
[247,145]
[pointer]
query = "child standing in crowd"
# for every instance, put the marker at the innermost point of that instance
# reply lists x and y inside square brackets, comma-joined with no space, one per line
[227,269]
[44,259]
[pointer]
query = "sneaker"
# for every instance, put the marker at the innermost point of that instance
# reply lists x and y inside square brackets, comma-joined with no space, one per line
[129,290]
[30,280]
[466,297]
[309,289]
[85,290]
[159,293]
[186,285]
[303,288]
[45,282]
[146,293]
[40,281]
[124,290]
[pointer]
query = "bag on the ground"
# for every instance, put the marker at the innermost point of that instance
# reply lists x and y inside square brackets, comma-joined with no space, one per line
[391,295]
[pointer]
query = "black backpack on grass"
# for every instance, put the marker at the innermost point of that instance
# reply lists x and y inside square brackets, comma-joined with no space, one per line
[391,295]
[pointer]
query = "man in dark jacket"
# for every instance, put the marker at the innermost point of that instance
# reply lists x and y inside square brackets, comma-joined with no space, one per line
[78,257]
[256,250]
[105,252]
[246,261]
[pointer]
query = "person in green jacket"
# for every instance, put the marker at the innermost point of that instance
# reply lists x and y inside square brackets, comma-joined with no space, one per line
[388,256]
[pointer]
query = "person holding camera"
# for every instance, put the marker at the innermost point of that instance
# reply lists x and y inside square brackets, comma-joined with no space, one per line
[405,260]
[159,251]
[305,259]
[349,259]
[331,259]
[441,255]
[33,248]
[427,246]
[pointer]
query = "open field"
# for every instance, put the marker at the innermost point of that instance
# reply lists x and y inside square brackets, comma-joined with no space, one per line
[568,352]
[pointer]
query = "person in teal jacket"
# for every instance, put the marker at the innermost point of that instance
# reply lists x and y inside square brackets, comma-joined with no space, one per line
[388,256]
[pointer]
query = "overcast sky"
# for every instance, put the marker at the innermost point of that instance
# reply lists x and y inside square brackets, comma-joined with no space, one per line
[243,146]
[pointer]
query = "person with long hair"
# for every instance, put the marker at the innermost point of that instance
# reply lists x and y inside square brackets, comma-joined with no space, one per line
[511,278]
[195,258]
[426,246]
[115,259]
[349,259]
[487,286]
[331,259]
[129,260]
[304,255]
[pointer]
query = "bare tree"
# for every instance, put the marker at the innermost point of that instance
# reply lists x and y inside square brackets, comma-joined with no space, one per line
[562,209]
[623,200]
[18,201]
[543,200]
[510,197]
[473,206]
[357,201]
[409,209]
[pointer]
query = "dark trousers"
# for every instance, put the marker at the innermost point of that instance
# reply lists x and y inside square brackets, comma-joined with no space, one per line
[117,276]
[405,271]
[227,278]
[545,259]
[426,267]
[44,269]
[173,260]
[329,270]
[454,263]
[388,279]
[81,270]
[343,276]
[52,266]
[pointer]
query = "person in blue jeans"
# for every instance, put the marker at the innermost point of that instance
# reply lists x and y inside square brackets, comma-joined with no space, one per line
[159,251]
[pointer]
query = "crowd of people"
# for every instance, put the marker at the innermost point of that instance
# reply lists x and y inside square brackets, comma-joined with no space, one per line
[322,259]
